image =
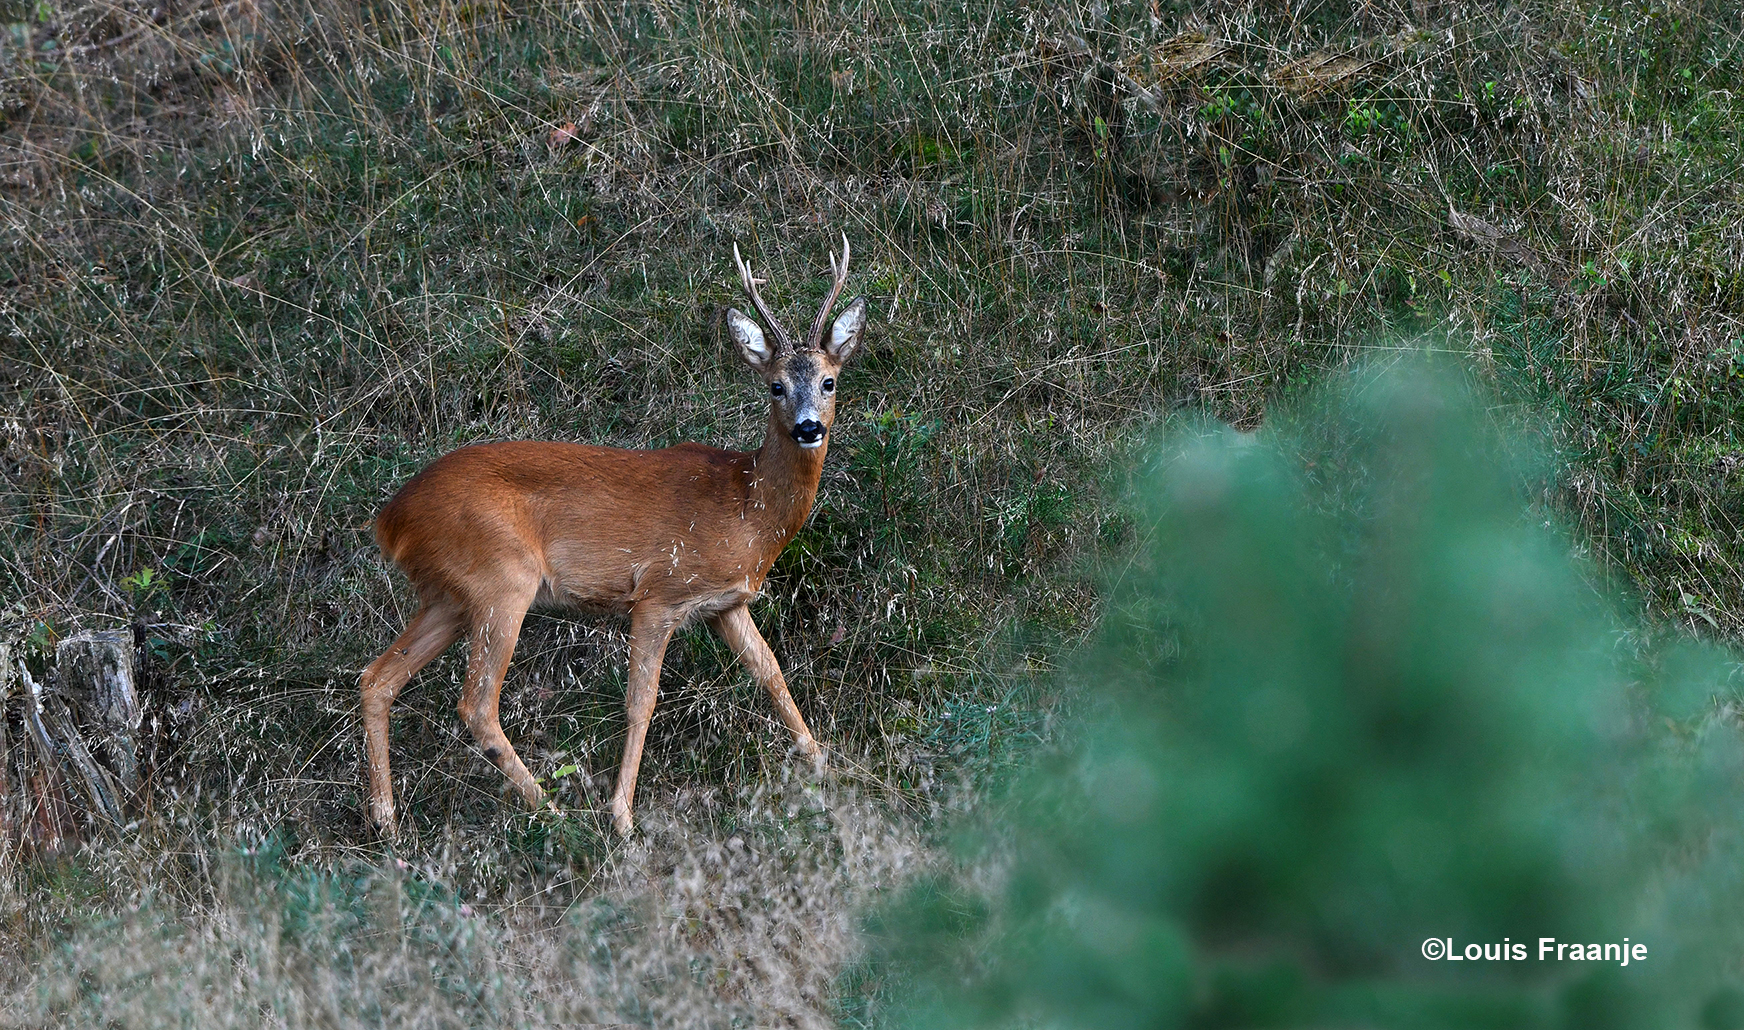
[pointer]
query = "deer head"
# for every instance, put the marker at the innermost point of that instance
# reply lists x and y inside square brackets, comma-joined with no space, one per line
[801,380]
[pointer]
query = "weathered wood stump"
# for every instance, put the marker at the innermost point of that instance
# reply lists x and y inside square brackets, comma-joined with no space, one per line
[95,670]
[69,747]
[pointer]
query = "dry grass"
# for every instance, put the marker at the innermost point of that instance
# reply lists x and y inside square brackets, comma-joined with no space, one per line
[261,262]
[691,925]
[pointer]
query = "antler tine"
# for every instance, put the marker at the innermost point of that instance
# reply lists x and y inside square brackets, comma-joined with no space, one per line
[750,281]
[816,339]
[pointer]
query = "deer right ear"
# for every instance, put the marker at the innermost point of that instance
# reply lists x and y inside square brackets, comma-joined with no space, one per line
[749,336]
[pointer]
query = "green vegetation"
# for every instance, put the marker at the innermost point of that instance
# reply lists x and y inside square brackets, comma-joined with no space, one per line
[260,263]
[1348,700]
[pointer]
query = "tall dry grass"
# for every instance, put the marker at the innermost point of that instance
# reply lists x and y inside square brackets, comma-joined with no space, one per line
[263,261]
[725,911]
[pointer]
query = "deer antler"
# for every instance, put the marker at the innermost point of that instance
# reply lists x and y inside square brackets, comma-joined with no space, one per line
[816,339]
[782,342]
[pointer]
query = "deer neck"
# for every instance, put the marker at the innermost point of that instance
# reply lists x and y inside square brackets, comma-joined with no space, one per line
[785,482]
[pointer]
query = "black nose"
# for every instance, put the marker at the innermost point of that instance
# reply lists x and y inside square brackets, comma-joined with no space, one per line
[809,431]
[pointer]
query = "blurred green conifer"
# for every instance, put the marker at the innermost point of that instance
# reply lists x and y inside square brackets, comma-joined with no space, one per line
[1350,695]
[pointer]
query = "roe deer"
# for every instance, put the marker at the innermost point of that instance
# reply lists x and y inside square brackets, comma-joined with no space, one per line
[667,536]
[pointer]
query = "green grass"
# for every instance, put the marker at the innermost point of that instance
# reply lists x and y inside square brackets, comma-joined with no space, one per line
[260,266]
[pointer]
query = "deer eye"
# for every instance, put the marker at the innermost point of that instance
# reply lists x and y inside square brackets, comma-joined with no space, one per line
[776,389]
[829,385]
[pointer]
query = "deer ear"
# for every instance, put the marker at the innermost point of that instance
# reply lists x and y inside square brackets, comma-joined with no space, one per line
[749,336]
[845,334]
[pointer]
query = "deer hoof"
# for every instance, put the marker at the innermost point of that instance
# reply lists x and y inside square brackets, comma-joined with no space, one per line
[382,817]
[621,820]
[813,754]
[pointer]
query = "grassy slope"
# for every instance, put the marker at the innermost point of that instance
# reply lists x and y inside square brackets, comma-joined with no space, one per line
[260,266]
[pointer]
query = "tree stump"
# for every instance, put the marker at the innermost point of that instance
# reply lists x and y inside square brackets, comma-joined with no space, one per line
[96,670]
[69,747]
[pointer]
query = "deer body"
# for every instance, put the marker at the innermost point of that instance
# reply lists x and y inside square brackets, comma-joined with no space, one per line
[574,517]
[666,536]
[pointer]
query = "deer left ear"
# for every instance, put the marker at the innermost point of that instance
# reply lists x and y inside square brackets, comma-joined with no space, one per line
[749,337]
[845,334]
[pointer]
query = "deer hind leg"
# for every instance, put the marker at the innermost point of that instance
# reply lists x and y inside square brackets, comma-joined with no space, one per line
[494,632]
[429,633]
[650,630]
[736,628]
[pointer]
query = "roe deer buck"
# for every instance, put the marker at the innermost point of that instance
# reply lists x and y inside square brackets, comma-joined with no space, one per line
[667,536]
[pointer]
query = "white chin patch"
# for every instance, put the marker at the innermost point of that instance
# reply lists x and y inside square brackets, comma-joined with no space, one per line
[819,442]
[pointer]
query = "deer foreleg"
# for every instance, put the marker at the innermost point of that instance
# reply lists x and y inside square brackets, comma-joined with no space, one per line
[650,630]
[736,628]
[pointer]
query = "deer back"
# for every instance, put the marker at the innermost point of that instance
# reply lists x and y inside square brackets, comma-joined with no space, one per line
[688,526]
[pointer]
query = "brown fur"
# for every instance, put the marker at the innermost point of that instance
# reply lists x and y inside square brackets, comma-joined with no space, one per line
[666,536]
[557,510]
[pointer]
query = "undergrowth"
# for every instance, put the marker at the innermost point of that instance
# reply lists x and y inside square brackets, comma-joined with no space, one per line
[263,261]
[1368,749]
